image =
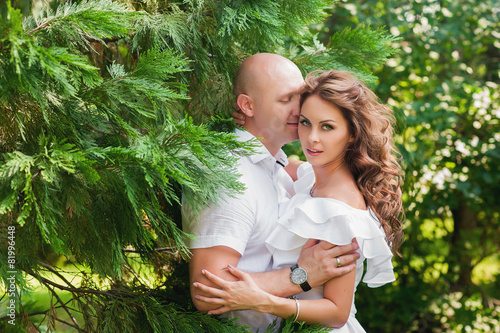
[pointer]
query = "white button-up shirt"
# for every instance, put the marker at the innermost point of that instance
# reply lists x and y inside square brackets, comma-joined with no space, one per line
[245,221]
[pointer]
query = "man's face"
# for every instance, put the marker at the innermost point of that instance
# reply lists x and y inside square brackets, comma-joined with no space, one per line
[277,103]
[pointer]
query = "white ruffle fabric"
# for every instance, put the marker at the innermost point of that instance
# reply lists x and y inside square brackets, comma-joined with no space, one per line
[304,217]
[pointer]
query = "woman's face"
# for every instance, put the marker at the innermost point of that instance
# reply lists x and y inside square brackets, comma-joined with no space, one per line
[323,132]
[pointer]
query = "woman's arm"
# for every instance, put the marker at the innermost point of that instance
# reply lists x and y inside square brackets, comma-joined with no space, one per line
[338,292]
[332,310]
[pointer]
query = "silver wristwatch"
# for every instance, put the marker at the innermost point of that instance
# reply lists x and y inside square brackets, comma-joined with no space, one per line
[299,277]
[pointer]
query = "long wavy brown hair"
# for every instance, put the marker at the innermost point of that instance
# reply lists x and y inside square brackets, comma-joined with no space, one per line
[372,156]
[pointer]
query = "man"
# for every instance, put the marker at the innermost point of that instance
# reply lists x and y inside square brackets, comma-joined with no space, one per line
[234,232]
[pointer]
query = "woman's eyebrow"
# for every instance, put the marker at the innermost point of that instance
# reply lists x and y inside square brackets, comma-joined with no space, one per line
[323,121]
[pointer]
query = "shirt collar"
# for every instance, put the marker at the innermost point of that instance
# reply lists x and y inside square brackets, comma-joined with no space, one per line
[260,151]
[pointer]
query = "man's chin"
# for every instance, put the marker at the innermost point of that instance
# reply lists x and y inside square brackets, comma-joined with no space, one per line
[293,137]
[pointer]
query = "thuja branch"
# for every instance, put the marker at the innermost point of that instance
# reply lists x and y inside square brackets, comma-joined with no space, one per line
[117,294]
[69,324]
[168,250]
[51,269]
[175,136]
[58,274]
[46,24]
[71,288]
[64,307]
[109,293]
[29,314]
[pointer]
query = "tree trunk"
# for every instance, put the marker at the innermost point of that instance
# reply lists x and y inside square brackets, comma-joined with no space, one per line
[462,245]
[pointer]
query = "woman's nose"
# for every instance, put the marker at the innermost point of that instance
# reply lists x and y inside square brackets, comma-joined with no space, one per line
[313,136]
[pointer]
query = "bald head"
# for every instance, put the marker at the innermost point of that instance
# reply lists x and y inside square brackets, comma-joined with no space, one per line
[260,67]
[267,93]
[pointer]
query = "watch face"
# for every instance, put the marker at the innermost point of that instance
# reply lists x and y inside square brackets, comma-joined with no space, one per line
[299,275]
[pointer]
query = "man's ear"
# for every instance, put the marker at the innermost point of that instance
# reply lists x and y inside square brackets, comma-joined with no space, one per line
[246,104]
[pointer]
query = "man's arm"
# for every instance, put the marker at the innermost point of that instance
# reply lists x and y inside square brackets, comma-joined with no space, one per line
[214,259]
[319,259]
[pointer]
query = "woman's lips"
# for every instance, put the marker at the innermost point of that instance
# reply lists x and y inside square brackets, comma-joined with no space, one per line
[314,152]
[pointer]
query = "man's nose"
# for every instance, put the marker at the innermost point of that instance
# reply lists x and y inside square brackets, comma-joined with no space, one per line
[296,107]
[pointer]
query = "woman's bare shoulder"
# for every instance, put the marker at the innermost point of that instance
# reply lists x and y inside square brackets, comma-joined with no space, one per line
[346,192]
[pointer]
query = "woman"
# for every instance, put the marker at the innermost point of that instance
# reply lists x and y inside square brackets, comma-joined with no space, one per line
[350,187]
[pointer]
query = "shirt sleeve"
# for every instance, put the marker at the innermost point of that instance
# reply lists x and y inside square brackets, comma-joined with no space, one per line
[229,223]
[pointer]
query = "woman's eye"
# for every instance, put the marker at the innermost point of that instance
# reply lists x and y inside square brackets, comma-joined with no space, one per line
[305,123]
[327,127]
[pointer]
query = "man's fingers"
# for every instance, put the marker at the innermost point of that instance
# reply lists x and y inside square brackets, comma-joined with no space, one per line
[310,243]
[347,259]
[325,245]
[341,250]
[345,269]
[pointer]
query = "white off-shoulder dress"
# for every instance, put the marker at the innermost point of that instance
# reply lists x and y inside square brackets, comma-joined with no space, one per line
[304,217]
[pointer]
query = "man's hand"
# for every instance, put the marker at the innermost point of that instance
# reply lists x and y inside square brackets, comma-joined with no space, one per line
[319,259]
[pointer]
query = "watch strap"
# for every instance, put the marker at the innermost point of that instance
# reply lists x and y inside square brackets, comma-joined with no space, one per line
[305,286]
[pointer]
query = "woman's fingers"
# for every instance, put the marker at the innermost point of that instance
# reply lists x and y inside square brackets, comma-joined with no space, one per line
[347,259]
[215,301]
[215,292]
[222,309]
[238,273]
[213,278]
[238,118]
[216,297]
[346,252]
[210,300]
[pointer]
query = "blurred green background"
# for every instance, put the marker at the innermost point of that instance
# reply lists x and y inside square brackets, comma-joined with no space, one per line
[443,84]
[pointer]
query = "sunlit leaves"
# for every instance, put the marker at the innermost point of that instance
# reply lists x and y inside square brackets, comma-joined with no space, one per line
[445,80]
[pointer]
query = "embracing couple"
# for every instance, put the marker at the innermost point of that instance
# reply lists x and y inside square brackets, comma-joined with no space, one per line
[301,229]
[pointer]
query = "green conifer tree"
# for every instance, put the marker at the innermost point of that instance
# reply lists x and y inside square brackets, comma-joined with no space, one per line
[108,110]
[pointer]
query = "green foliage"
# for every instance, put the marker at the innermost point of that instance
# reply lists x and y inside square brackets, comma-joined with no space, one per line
[358,50]
[289,326]
[445,82]
[268,21]
[77,24]
[109,110]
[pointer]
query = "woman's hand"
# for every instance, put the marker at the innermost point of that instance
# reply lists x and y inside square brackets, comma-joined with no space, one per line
[238,116]
[233,295]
